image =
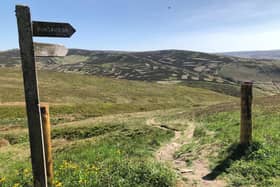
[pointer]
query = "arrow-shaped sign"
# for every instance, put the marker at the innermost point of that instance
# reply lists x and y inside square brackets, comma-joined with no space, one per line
[52,29]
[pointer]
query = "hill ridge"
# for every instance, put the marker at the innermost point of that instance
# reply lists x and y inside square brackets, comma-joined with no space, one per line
[257,54]
[213,71]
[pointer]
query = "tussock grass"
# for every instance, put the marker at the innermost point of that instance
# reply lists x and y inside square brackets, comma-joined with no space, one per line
[88,151]
[74,97]
[256,165]
[113,154]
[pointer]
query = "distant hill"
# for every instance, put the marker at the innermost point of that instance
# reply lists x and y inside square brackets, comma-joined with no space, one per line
[215,72]
[270,54]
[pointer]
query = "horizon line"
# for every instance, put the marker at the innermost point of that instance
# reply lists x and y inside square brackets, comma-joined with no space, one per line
[165,49]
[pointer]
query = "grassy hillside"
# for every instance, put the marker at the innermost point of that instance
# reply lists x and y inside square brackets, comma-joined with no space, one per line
[269,54]
[216,139]
[106,132]
[165,66]
[118,149]
[115,149]
[61,88]
[74,97]
[112,151]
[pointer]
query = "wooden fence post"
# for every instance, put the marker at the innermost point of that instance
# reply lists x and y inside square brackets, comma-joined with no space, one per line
[31,96]
[47,141]
[246,113]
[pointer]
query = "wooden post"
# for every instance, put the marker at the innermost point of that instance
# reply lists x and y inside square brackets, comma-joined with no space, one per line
[47,141]
[246,113]
[31,96]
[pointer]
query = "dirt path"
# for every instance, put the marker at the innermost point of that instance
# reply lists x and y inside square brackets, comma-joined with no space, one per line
[188,176]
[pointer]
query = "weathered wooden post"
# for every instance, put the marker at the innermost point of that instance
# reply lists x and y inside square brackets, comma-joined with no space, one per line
[47,141]
[26,30]
[246,113]
[31,96]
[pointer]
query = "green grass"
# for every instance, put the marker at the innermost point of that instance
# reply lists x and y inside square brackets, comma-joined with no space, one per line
[100,139]
[65,88]
[99,154]
[74,97]
[16,115]
[257,165]
[225,88]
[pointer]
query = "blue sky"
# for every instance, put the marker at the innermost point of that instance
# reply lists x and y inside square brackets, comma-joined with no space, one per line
[139,25]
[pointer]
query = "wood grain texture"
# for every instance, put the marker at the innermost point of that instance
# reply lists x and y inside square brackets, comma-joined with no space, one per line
[246,113]
[45,114]
[31,96]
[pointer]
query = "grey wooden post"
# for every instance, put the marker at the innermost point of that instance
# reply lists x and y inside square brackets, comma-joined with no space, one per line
[31,96]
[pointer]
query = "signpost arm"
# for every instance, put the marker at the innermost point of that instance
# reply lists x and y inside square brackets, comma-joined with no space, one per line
[31,96]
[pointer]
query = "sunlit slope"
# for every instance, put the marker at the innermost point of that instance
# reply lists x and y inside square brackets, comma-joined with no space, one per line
[74,96]
[73,88]
[177,66]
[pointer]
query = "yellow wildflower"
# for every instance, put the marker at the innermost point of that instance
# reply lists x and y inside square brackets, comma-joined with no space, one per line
[58,184]
[2,179]
[68,165]
[16,185]
[26,172]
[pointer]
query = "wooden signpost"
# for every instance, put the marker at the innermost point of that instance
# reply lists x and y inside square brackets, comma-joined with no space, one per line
[26,31]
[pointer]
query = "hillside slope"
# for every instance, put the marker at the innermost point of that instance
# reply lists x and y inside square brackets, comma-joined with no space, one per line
[215,72]
[74,96]
[100,148]
[269,54]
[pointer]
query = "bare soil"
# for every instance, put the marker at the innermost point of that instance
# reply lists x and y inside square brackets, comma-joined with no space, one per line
[187,175]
